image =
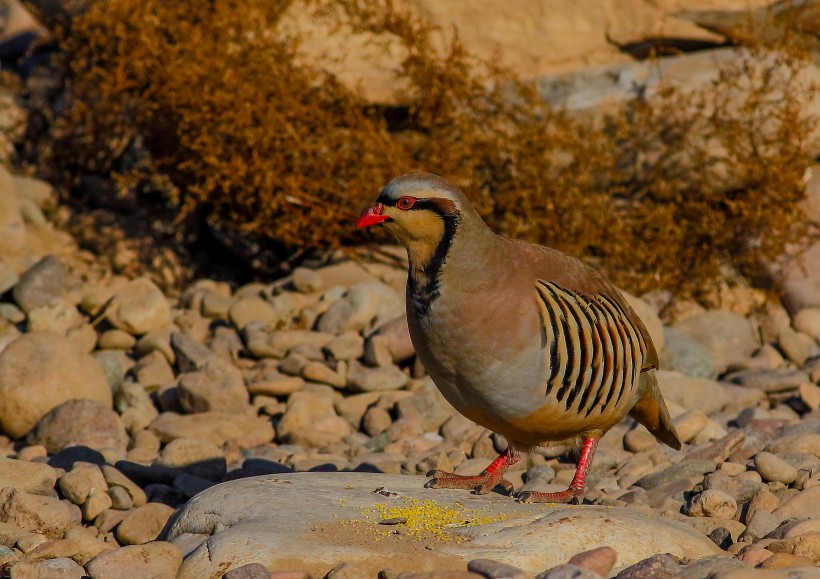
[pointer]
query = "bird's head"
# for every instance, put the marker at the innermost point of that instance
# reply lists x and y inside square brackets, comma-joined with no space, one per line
[420,209]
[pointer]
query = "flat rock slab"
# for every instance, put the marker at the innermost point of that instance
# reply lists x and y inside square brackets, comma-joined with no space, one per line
[313,521]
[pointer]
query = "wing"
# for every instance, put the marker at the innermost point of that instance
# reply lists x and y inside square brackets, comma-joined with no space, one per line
[594,350]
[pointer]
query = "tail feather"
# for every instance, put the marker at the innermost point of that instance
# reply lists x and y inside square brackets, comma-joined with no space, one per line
[651,411]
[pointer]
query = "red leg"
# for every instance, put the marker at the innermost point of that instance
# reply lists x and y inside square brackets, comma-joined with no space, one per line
[576,487]
[482,483]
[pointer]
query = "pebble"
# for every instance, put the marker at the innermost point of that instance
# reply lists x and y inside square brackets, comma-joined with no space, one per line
[217,386]
[770,380]
[729,337]
[797,346]
[31,477]
[252,309]
[363,379]
[139,307]
[600,560]
[39,514]
[714,504]
[197,457]
[81,423]
[42,282]
[214,427]
[684,354]
[690,423]
[773,468]
[804,504]
[319,372]
[143,524]
[155,559]
[77,484]
[396,335]
[311,419]
[495,570]
[761,524]
[57,568]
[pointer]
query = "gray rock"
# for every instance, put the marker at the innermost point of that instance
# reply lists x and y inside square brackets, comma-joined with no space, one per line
[742,490]
[44,281]
[81,423]
[714,566]
[770,380]
[761,524]
[729,338]
[686,355]
[567,571]
[114,365]
[249,570]
[680,471]
[244,521]
[662,566]
[495,570]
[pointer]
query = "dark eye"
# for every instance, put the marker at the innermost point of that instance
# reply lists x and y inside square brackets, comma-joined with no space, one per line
[405,203]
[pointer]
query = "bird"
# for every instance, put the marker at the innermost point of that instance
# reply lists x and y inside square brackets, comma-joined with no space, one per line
[522,339]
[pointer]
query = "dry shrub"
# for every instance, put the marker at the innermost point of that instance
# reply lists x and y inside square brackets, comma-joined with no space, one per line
[240,136]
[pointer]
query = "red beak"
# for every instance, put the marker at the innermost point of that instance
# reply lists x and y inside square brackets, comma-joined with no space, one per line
[372,216]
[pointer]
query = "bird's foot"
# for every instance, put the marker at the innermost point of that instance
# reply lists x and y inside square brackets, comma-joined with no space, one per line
[567,496]
[480,484]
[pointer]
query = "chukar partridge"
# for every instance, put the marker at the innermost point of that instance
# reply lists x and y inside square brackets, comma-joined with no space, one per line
[522,339]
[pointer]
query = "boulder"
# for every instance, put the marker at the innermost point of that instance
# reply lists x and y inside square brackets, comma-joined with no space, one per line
[41,370]
[267,520]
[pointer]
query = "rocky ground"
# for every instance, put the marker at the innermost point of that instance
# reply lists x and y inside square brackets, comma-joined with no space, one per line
[119,405]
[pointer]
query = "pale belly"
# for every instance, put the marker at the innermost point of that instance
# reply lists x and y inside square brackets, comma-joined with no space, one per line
[493,373]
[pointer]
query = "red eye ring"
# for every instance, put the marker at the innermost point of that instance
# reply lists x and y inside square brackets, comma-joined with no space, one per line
[405,203]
